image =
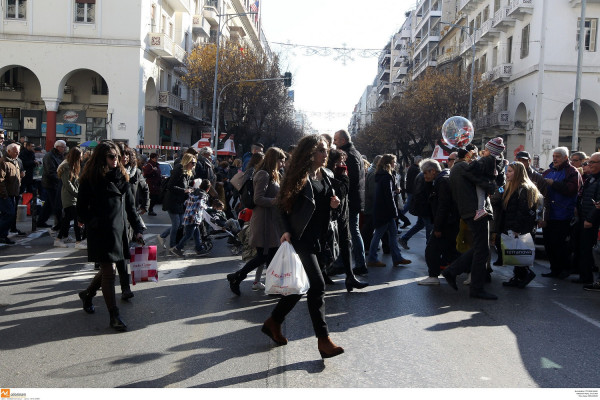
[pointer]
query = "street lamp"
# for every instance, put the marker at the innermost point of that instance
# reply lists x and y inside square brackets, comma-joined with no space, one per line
[215,134]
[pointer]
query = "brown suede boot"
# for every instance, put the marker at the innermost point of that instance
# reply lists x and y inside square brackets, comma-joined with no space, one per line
[273,330]
[328,349]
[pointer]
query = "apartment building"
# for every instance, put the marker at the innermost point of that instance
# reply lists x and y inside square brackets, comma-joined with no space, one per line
[83,70]
[362,114]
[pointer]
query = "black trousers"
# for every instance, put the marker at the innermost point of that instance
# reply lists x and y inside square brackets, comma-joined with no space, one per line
[105,278]
[153,201]
[256,262]
[587,240]
[556,246]
[70,215]
[475,259]
[315,296]
[441,251]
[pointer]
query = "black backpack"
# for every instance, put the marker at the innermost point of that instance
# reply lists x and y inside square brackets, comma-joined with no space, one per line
[247,194]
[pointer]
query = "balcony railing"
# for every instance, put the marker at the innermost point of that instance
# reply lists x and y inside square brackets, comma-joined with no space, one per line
[502,20]
[201,26]
[197,113]
[384,58]
[169,100]
[384,74]
[186,108]
[382,99]
[487,32]
[519,8]
[383,87]
[402,71]
[450,54]
[210,12]
[498,119]
[502,72]
[162,45]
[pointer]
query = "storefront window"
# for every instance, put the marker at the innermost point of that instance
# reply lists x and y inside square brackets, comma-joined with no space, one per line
[95,129]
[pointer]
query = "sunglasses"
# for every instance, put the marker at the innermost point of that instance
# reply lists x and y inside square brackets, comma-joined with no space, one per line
[111,156]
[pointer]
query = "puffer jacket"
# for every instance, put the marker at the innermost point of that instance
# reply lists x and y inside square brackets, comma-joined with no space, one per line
[518,216]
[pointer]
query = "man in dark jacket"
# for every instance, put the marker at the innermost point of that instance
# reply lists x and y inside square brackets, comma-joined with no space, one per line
[411,175]
[441,247]
[419,208]
[564,182]
[27,156]
[205,169]
[463,184]
[153,178]
[356,196]
[589,220]
[535,177]
[52,184]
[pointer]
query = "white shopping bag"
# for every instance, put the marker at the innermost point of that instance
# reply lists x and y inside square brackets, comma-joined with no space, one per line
[518,251]
[285,274]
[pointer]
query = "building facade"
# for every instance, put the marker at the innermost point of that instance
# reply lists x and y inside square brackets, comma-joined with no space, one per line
[110,69]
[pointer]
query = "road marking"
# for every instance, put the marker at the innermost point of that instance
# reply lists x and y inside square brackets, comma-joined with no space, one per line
[30,264]
[578,314]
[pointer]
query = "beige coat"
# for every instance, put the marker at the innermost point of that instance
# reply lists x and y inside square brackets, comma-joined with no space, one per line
[10,177]
[264,228]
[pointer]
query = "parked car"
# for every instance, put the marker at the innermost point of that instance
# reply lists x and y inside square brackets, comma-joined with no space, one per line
[165,168]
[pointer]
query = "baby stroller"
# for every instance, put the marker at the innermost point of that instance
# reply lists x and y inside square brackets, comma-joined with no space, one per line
[214,231]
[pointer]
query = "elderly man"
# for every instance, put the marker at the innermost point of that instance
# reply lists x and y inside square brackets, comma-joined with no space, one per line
[451,159]
[52,184]
[441,247]
[356,196]
[589,220]
[205,169]
[10,183]
[563,182]
[463,185]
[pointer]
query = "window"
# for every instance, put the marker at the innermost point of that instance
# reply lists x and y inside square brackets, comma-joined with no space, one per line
[496,5]
[85,11]
[153,19]
[16,9]
[509,44]
[589,31]
[525,41]
[486,14]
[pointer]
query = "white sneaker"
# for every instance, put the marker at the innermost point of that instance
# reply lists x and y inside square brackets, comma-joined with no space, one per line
[258,286]
[161,242]
[81,245]
[59,243]
[467,281]
[69,239]
[429,281]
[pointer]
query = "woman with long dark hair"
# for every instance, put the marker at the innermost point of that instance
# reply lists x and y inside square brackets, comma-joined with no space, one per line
[307,202]
[103,202]
[68,172]
[341,184]
[518,215]
[264,229]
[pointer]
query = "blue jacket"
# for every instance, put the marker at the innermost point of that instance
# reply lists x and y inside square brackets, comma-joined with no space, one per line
[562,194]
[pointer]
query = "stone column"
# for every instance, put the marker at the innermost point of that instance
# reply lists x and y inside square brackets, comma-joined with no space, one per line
[51,109]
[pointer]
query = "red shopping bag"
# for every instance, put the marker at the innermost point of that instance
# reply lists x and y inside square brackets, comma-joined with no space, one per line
[143,264]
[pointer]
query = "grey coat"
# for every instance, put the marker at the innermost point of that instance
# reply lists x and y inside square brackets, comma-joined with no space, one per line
[265,231]
[70,188]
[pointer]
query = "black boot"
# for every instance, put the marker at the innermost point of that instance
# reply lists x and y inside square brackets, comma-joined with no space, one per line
[86,298]
[234,283]
[353,283]
[126,293]
[115,320]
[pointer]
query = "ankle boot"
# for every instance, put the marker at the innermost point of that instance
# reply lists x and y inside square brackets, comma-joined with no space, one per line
[126,293]
[327,279]
[234,283]
[353,283]
[86,298]
[273,330]
[115,320]
[328,349]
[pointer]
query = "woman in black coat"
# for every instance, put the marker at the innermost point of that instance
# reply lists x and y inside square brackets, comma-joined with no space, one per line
[104,202]
[385,213]
[307,202]
[341,184]
[518,215]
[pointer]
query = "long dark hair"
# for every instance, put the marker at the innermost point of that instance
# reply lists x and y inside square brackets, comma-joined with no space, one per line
[96,167]
[296,176]
[74,161]
[269,163]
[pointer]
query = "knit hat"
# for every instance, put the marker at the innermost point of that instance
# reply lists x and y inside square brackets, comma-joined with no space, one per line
[495,146]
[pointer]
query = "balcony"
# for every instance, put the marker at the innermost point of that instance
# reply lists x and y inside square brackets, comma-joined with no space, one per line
[400,41]
[398,90]
[501,73]
[519,8]
[197,113]
[236,32]
[450,54]
[384,59]
[423,66]
[179,5]
[427,15]
[402,71]
[210,12]
[487,32]
[501,19]
[467,44]
[467,5]
[398,60]
[169,101]
[498,119]
[382,99]
[384,74]
[164,47]
[186,108]
[383,88]
[200,26]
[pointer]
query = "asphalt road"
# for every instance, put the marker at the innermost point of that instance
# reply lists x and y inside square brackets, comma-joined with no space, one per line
[189,331]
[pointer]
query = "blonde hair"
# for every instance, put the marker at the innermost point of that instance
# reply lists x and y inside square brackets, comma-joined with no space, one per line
[188,158]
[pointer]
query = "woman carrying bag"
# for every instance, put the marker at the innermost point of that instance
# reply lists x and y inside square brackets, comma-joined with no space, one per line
[264,229]
[103,202]
[307,203]
[518,215]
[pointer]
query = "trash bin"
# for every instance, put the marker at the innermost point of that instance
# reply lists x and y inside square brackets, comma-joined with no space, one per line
[21,213]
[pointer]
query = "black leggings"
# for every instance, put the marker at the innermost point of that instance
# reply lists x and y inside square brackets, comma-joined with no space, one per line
[257,261]
[70,215]
[315,296]
[105,278]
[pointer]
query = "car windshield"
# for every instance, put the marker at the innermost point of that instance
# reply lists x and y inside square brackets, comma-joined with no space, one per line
[165,169]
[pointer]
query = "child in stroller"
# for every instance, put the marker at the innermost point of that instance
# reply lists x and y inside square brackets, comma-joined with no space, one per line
[216,223]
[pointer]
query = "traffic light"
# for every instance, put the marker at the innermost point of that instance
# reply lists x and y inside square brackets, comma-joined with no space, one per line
[287,79]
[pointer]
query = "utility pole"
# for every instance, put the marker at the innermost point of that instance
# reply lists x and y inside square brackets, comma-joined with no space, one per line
[577,101]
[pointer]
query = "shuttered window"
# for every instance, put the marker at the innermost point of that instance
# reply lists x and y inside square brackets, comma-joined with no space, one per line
[85,11]
[590,29]
[525,41]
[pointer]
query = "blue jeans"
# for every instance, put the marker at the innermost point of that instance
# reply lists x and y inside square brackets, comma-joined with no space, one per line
[391,229]
[422,222]
[189,231]
[7,215]
[407,203]
[176,221]
[358,247]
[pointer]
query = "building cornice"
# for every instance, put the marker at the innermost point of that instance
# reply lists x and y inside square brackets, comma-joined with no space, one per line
[70,40]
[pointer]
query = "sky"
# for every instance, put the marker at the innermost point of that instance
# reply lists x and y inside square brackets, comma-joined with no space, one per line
[324,87]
